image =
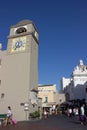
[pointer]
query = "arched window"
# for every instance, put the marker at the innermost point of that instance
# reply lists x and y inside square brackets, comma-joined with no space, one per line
[21,30]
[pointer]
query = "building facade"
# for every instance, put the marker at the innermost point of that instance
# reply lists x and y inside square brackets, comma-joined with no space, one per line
[19,70]
[50,95]
[76,87]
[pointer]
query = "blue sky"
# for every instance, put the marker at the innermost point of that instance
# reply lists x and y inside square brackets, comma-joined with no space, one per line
[62,27]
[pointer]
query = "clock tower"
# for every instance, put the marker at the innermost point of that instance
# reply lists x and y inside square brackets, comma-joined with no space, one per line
[21,36]
[20,70]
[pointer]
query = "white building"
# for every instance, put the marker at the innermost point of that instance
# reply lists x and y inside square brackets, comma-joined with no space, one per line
[75,87]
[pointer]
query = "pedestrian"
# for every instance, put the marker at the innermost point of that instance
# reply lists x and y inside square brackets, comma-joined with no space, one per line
[82,115]
[8,119]
[45,113]
[69,111]
[76,111]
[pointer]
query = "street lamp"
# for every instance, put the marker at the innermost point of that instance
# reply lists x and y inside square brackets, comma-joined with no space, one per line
[26,109]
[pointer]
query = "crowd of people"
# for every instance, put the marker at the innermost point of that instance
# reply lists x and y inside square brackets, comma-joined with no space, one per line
[79,111]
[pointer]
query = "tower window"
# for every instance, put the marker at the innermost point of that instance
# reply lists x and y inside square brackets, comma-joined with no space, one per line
[2,95]
[0,82]
[21,30]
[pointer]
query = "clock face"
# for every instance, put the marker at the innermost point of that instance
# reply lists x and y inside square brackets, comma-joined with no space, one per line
[18,44]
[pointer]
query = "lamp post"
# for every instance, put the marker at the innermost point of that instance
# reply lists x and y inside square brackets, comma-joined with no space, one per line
[26,109]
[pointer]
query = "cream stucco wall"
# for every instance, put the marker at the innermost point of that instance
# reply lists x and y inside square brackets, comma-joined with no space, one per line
[18,74]
[53,97]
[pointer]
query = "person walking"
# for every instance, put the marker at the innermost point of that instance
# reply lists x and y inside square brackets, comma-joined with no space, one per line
[45,113]
[82,114]
[8,119]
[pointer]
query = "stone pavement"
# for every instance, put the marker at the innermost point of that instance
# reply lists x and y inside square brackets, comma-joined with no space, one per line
[59,122]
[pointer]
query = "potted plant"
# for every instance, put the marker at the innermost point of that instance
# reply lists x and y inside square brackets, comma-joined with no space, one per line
[35,114]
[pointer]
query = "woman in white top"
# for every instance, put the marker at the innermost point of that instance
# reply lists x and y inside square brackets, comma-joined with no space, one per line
[9,116]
